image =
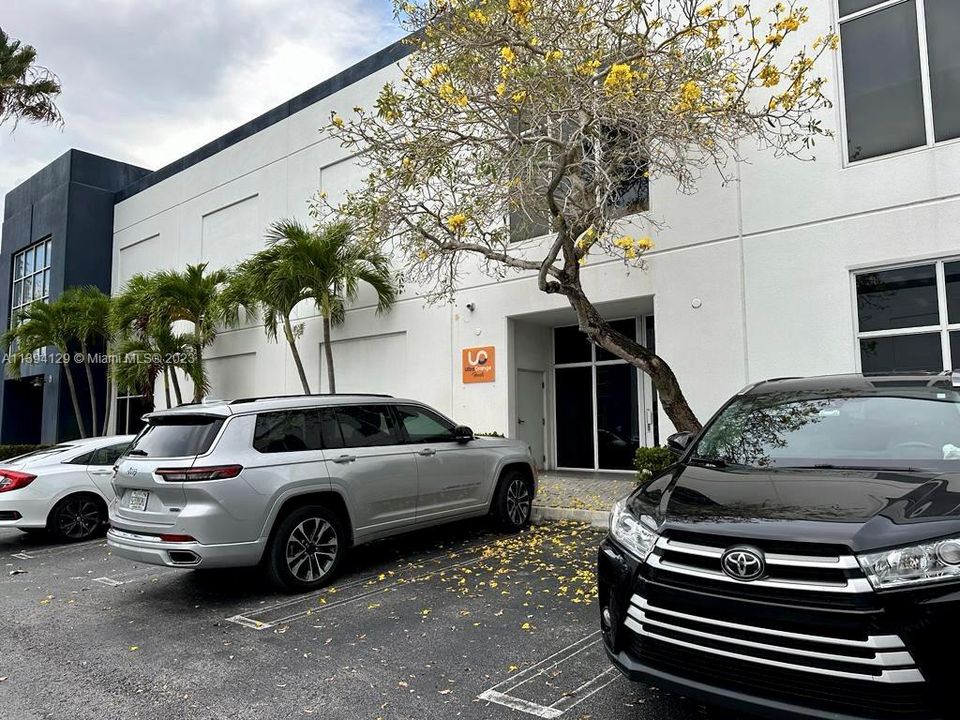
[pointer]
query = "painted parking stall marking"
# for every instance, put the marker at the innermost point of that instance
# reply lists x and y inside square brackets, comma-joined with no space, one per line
[557,683]
[54,550]
[340,595]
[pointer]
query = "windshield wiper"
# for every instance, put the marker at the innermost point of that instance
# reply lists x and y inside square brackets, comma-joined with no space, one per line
[706,462]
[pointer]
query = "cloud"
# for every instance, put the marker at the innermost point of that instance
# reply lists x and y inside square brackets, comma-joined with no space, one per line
[147,81]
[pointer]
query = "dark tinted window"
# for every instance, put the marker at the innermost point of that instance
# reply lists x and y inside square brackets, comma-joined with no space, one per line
[943,35]
[899,428]
[881,82]
[575,407]
[848,7]
[177,436]
[618,416]
[422,425]
[288,431]
[626,327]
[901,353]
[898,298]
[108,456]
[570,345]
[951,274]
[367,426]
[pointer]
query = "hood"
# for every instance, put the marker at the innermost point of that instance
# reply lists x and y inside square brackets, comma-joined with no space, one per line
[863,510]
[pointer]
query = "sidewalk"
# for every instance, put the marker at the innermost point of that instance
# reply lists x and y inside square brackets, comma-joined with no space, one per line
[583,496]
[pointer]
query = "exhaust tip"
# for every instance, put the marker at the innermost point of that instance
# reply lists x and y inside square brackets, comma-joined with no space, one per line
[183,557]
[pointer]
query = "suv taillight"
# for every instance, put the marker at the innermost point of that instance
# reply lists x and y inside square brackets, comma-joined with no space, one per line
[196,474]
[13,479]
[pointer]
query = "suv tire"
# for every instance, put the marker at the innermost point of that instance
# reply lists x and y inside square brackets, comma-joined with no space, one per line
[77,518]
[513,501]
[306,549]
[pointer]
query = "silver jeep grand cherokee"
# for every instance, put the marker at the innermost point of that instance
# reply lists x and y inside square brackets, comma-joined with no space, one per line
[293,482]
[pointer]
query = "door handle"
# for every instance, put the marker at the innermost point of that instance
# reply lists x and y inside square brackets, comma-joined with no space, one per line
[427,452]
[343,459]
[108,471]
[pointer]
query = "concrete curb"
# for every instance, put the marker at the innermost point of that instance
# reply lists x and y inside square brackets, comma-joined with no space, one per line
[596,518]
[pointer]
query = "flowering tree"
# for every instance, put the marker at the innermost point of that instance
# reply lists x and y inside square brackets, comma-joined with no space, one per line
[547,118]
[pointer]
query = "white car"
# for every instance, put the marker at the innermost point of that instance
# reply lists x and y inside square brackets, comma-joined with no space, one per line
[64,489]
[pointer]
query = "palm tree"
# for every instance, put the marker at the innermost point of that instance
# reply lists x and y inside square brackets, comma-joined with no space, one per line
[325,265]
[195,296]
[39,326]
[27,90]
[88,314]
[145,340]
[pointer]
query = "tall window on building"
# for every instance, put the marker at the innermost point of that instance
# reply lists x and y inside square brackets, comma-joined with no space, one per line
[909,318]
[31,277]
[901,74]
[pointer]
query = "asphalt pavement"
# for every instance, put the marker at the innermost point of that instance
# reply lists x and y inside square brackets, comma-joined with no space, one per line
[457,622]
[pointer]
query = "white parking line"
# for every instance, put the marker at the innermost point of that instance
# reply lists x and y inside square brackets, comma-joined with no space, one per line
[504,693]
[248,620]
[40,553]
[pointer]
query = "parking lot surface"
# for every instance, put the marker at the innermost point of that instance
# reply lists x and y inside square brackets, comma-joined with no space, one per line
[450,623]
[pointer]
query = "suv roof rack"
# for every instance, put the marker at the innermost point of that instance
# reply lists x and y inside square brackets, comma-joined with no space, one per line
[241,401]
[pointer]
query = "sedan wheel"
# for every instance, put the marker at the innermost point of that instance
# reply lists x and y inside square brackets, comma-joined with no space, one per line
[77,518]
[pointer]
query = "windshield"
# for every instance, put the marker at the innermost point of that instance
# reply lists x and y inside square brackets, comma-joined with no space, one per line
[905,430]
[176,436]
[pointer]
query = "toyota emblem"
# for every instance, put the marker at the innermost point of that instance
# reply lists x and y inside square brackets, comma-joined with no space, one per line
[743,563]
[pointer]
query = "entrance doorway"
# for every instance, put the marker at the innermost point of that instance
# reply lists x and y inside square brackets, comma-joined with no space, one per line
[531,415]
[604,407]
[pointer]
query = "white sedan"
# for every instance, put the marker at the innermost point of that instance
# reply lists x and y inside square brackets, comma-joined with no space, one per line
[64,489]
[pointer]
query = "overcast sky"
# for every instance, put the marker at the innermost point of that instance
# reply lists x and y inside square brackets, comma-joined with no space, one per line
[147,81]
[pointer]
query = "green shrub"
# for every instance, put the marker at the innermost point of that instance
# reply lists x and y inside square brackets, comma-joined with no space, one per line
[489,434]
[650,460]
[9,451]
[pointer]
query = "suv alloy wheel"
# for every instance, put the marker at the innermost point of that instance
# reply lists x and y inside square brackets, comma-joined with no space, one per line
[306,549]
[513,501]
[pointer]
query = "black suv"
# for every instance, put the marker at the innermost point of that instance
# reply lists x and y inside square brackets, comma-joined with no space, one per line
[802,557]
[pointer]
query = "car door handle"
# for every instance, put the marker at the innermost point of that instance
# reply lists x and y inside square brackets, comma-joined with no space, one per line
[427,452]
[104,471]
[343,459]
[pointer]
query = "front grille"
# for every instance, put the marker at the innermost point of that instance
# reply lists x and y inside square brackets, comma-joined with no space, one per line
[873,658]
[699,558]
[808,631]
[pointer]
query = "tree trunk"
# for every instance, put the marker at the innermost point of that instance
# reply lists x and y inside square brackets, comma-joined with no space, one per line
[74,399]
[288,331]
[328,353]
[166,384]
[107,405]
[198,376]
[176,384]
[600,333]
[94,425]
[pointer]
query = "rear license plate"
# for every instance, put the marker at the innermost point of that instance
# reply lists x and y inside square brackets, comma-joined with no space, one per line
[137,499]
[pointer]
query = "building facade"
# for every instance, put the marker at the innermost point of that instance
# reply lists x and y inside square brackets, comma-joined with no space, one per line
[844,264]
[57,233]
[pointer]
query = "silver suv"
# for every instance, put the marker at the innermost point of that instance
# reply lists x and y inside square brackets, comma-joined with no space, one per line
[293,482]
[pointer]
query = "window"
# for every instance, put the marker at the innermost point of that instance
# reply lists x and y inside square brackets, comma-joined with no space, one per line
[909,318]
[108,456]
[901,74]
[177,436]
[367,426]
[290,431]
[423,426]
[131,408]
[31,277]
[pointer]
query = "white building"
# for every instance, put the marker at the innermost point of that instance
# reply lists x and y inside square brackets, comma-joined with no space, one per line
[749,281]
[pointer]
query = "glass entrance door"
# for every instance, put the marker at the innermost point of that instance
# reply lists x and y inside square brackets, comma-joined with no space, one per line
[603,412]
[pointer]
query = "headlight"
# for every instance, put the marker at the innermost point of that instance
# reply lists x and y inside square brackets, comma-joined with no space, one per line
[632,532]
[929,562]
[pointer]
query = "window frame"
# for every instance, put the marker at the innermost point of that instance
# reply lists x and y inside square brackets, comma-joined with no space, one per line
[943,328]
[926,90]
[40,272]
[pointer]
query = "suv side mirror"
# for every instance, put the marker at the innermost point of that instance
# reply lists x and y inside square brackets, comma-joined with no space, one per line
[463,434]
[679,442]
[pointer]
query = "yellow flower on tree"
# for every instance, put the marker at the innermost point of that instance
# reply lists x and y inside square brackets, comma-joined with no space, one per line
[690,94]
[770,75]
[619,78]
[520,9]
[457,223]
[453,96]
[338,121]
[507,53]
[478,17]
[589,67]
[553,55]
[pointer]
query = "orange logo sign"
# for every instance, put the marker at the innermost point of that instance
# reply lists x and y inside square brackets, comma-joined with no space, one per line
[479,364]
